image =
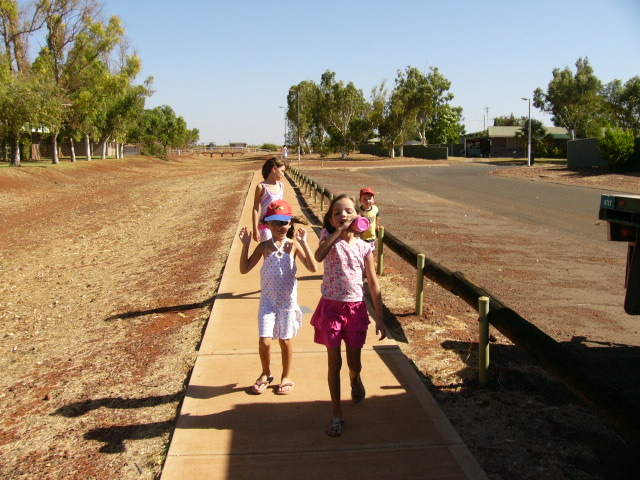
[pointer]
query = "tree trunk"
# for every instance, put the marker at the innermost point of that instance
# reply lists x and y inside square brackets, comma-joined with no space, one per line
[54,148]
[401,150]
[73,150]
[14,141]
[117,150]
[87,146]
[104,147]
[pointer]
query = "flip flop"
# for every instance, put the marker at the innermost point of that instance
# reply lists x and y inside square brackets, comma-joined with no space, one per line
[282,386]
[260,386]
[334,429]
[358,392]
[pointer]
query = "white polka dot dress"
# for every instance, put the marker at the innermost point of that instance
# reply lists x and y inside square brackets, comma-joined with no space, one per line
[280,316]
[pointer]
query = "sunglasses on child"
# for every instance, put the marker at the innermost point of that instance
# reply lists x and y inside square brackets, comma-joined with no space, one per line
[278,223]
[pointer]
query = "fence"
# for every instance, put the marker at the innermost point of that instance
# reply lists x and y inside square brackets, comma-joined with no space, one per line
[551,355]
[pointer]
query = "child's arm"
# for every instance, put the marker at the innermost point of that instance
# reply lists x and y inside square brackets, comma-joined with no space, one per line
[376,295]
[255,214]
[248,262]
[304,251]
[325,245]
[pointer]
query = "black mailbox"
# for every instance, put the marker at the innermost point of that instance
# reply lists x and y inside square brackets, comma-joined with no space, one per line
[622,213]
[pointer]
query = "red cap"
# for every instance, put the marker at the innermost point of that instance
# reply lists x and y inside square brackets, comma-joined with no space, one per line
[366,190]
[279,210]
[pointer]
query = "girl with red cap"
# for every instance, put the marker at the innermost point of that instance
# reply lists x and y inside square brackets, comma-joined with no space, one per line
[280,316]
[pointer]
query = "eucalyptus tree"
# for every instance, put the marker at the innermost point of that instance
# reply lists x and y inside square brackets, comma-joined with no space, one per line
[21,90]
[623,104]
[74,40]
[445,125]
[342,105]
[575,101]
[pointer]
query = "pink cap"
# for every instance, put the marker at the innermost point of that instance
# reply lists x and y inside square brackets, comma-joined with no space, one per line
[360,224]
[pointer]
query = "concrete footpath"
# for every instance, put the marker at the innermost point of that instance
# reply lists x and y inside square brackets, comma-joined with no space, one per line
[226,432]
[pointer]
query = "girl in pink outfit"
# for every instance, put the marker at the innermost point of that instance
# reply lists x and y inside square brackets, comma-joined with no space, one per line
[267,192]
[342,313]
[280,316]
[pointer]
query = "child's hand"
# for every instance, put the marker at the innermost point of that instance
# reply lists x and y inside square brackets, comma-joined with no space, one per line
[301,235]
[245,236]
[380,329]
[347,223]
[256,236]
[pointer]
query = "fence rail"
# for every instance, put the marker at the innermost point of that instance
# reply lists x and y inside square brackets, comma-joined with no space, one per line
[617,406]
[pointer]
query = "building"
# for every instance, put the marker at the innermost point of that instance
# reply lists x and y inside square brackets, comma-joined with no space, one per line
[505,142]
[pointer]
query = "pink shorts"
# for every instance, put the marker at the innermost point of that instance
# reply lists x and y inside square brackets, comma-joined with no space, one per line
[334,321]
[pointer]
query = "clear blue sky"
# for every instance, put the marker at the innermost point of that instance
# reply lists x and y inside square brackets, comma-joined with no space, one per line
[226,66]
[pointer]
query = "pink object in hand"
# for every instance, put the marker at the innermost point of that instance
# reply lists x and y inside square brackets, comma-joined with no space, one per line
[360,224]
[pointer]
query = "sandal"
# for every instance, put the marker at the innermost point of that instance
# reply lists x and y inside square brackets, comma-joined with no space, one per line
[357,391]
[334,429]
[285,388]
[261,385]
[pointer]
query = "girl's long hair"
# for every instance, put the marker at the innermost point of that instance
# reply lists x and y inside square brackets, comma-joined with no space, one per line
[326,221]
[269,164]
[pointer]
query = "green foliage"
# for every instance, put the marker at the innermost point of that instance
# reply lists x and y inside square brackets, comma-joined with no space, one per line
[574,101]
[616,147]
[272,147]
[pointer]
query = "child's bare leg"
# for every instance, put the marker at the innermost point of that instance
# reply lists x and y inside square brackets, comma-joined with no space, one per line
[264,348]
[333,377]
[286,384]
[354,362]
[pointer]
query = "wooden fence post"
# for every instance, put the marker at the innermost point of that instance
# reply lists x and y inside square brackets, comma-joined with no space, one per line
[483,340]
[380,267]
[419,283]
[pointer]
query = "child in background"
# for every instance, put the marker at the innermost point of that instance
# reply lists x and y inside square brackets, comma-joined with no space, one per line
[267,192]
[341,313]
[280,316]
[371,212]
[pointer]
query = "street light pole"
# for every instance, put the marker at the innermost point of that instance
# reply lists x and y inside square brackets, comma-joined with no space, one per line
[298,94]
[529,143]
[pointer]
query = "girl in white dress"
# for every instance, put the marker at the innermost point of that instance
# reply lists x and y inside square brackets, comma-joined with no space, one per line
[280,316]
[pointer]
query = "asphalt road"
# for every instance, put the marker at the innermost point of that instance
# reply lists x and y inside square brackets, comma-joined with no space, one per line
[568,210]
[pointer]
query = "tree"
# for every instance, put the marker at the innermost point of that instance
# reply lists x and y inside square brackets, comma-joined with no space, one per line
[574,101]
[510,121]
[74,42]
[342,105]
[160,129]
[445,125]
[623,104]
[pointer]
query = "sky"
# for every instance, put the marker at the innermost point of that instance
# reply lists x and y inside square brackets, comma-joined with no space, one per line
[226,66]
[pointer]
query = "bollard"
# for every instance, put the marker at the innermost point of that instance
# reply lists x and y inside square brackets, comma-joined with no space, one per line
[419,283]
[315,193]
[483,342]
[322,200]
[380,267]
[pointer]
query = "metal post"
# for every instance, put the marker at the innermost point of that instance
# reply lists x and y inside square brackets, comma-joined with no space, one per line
[380,250]
[529,143]
[298,125]
[483,341]
[419,283]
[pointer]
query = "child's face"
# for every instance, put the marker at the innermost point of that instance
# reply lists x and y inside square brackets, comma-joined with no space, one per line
[279,172]
[278,228]
[343,210]
[367,200]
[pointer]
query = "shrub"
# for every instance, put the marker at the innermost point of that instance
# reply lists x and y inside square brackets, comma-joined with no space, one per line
[269,146]
[616,147]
